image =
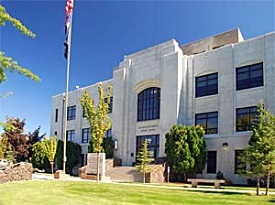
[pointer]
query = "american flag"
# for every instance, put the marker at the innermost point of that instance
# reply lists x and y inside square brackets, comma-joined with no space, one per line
[68,12]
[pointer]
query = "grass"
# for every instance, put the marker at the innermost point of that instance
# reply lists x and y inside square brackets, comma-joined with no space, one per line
[84,193]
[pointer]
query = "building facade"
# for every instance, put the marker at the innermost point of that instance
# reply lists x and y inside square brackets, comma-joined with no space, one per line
[216,82]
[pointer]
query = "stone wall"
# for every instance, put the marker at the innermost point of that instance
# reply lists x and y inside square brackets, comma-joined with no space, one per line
[156,175]
[17,172]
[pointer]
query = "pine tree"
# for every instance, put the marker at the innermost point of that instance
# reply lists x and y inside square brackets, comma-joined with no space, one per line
[144,159]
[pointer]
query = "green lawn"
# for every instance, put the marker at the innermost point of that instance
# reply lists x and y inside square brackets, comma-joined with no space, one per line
[82,193]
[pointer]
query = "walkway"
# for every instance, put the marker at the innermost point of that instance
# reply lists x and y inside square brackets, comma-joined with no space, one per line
[162,186]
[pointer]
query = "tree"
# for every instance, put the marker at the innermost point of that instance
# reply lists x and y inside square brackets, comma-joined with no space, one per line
[7,64]
[260,153]
[185,149]
[49,148]
[98,119]
[73,154]
[18,144]
[144,159]
[3,146]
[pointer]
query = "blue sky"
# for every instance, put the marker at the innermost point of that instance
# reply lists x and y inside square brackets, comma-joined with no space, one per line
[103,32]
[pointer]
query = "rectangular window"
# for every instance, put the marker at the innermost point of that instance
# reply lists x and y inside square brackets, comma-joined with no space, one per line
[86,135]
[209,121]
[245,118]
[56,115]
[249,76]
[71,112]
[153,144]
[207,85]
[55,133]
[239,165]
[211,162]
[70,135]
[110,105]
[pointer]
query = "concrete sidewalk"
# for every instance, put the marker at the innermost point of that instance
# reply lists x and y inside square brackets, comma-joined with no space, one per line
[160,186]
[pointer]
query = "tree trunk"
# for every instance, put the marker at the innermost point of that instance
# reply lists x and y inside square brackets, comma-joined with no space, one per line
[267,183]
[97,169]
[258,185]
[51,162]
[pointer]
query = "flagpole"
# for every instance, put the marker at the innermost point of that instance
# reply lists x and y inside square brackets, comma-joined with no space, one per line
[67,90]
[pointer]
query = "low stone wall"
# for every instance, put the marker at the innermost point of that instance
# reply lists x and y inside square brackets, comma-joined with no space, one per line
[17,172]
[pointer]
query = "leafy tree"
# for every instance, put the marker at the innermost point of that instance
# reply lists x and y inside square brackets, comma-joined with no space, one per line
[49,148]
[7,64]
[185,149]
[98,119]
[73,153]
[17,142]
[144,159]
[260,153]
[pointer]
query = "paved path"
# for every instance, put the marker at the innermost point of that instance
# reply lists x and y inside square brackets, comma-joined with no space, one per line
[160,186]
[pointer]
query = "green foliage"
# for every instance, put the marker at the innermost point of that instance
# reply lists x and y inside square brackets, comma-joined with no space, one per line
[97,117]
[7,64]
[185,149]
[144,159]
[108,147]
[4,16]
[260,153]
[73,154]
[3,146]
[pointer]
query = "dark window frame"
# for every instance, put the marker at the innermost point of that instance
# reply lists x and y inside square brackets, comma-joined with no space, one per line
[56,115]
[71,112]
[110,104]
[211,162]
[251,113]
[70,135]
[248,76]
[210,87]
[152,139]
[206,118]
[86,136]
[148,104]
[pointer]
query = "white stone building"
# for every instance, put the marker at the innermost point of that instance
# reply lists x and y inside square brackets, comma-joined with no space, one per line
[216,82]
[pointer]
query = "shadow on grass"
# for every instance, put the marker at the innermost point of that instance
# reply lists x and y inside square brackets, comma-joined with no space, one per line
[272,200]
[220,192]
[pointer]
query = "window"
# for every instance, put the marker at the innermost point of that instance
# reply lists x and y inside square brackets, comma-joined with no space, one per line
[71,112]
[153,144]
[55,133]
[239,165]
[211,162]
[83,113]
[108,133]
[70,135]
[148,104]
[245,117]
[207,85]
[209,121]
[110,105]
[56,115]
[86,135]
[249,76]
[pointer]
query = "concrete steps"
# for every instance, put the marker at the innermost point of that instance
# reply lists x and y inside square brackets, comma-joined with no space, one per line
[125,174]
